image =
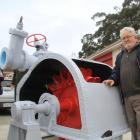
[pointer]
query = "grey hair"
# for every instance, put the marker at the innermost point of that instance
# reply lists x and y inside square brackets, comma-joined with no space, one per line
[128,29]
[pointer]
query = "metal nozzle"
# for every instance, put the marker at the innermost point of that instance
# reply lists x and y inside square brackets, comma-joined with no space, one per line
[21,18]
[20,23]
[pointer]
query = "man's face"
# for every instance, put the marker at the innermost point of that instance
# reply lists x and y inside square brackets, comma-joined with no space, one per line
[129,40]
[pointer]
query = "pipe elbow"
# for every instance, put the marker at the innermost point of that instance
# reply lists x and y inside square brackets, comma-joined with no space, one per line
[10,60]
[20,61]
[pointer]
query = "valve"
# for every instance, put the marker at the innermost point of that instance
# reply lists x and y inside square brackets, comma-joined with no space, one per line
[33,39]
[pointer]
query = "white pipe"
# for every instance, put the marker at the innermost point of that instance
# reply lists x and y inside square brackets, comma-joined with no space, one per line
[15,57]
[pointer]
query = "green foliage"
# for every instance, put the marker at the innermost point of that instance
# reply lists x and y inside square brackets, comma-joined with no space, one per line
[109,26]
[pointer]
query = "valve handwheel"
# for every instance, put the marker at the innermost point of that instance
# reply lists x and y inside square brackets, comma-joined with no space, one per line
[30,40]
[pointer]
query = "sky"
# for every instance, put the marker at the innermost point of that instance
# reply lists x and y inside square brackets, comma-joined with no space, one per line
[63,22]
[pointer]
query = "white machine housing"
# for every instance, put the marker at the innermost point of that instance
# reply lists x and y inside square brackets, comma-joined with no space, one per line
[100,106]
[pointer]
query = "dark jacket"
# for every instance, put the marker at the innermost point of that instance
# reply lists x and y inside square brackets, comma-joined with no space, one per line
[116,70]
[115,75]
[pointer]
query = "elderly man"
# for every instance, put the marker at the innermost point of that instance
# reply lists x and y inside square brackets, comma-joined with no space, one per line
[126,74]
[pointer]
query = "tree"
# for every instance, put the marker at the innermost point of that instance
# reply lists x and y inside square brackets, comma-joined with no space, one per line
[109,27]
[88,44]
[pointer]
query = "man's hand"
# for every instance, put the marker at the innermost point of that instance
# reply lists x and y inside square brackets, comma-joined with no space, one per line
[109,82]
